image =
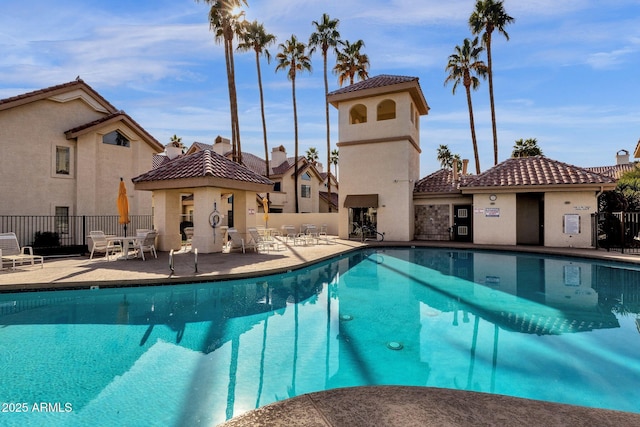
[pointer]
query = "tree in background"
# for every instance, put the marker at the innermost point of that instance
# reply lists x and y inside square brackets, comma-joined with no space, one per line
[526,148]
[351,63]
[489,15]
[224,23]
[253,36]
[326,36]
[446,158]
[294,59]
[463,66]
[312,155]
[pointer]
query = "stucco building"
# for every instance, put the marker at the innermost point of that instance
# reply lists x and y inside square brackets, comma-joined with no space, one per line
[65,149]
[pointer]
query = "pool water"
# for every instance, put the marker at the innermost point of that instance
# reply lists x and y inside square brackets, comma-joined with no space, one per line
[557,329]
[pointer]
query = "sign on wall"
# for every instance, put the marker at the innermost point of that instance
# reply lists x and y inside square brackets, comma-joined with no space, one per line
[492,212]
[571,224]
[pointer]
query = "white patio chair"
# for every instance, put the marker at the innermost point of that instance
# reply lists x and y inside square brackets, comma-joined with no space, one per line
[101,244]
[146,242]
[188,232]
[263,243]
[235,240]
[10,251]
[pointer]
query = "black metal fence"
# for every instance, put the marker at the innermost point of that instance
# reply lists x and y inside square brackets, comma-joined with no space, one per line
[618,231]
[49,234]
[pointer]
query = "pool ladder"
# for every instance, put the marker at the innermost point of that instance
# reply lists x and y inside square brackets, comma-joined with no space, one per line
[171,261]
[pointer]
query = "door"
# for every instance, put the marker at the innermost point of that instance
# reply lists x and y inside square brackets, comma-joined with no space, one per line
[462,231]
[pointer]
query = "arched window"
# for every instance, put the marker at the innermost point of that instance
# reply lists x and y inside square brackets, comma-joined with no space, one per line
[387,110]
[358,114]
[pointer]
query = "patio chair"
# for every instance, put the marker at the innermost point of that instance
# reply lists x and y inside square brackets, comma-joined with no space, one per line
[263,242]
[101,244]
[290,233]
[188,232]
[10,251]
[235,240]
[146,242]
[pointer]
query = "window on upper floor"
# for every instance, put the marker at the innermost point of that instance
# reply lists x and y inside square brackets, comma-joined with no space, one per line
[306,191]
[63,160]
[115,138]
[358,114]
[306,176]
[387,110]
[277,186]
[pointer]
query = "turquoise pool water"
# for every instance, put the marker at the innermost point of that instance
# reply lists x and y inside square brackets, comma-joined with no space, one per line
[557,329]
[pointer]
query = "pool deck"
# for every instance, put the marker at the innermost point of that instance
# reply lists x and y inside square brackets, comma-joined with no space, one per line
[359,406]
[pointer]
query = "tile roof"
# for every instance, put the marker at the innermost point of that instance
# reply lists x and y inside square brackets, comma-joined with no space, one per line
[440,181]
[535,171]
[324,195]
[374,82]
[202,164]
[615,171]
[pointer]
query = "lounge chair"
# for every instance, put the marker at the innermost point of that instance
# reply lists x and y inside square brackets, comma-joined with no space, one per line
[10,251]
[101,244]
[263,243]
[235,240]
[146,241]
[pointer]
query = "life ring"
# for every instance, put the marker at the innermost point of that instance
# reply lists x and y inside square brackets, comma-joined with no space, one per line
[214,219]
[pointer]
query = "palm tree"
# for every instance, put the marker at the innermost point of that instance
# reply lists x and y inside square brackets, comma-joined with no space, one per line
[312,155]
[326,36]
[488,16]
[463,65]
[350,63]
[526,148]
[254,36]
[224,23]
[293,58]
[446,158]
[334,161]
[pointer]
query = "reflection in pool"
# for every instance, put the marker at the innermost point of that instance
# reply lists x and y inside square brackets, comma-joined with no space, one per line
[557,329]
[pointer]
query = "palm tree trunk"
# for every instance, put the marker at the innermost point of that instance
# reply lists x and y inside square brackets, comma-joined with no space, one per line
[473,130]
[227,58]
[326,110]
[234,98]
[264,122]
[295,127]
[493,108]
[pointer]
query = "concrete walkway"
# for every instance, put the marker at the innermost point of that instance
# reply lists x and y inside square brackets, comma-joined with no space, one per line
[359,406]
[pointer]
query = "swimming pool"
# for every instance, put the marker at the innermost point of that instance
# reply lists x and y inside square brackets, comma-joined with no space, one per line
[549,328]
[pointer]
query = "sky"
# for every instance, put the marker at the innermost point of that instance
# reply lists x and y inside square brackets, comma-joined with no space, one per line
[567,76]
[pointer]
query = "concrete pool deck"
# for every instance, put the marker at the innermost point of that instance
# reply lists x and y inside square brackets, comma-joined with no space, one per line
[360,406]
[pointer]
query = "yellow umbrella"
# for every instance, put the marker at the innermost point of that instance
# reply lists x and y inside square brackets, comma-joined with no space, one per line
[123,206]
[265,205]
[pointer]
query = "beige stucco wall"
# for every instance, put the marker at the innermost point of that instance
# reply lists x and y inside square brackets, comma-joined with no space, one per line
[30,134]
[496,230]
[556,205]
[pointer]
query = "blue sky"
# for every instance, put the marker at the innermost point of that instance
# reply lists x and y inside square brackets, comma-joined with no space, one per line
[568,76]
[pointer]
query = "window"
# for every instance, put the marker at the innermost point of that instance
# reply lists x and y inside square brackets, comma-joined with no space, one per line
[306,191]
[63,160]
[277,186]
[62,220]
[306,177]
[115,138]
[358,114]
[387,110]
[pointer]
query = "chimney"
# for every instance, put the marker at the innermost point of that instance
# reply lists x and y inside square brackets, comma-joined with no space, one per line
[221,145]
[465,163]
[278,156]
[455,170]
[622,157]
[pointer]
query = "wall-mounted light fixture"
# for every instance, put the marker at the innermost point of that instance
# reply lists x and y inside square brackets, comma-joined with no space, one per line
[493,197]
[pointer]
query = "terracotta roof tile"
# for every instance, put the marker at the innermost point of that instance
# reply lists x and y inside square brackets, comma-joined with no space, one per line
[440,181]
[535,171]
[201,164]
[615,171]
[374,82]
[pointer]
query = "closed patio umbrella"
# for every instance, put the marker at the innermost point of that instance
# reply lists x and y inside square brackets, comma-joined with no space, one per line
[123,206]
